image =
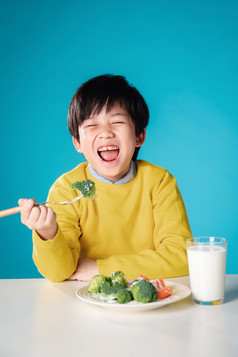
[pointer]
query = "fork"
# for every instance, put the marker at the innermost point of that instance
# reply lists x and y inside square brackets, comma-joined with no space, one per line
[8,212]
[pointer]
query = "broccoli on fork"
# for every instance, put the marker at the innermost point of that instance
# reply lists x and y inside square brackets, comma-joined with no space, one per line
[86,187]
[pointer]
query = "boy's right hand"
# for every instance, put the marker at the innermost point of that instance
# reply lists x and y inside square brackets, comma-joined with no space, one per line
[42,219]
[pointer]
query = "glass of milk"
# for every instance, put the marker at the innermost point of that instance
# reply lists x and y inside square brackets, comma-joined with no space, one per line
[207,268]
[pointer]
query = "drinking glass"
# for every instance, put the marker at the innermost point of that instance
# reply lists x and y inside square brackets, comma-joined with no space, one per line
[207,268]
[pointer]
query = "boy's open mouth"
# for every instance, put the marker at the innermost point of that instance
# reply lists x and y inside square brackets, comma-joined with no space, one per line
[108,153]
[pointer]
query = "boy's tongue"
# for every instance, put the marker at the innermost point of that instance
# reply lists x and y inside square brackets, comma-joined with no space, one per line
[109,155]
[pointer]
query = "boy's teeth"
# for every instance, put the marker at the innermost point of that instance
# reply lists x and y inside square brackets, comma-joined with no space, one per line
[107,148]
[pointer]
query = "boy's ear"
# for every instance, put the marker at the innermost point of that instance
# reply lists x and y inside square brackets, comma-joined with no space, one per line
[77,145]
[140,139]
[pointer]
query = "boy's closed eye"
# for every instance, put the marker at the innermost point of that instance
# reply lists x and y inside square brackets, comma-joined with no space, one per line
[119,122]
[95,125]
[90,126]
[89,123]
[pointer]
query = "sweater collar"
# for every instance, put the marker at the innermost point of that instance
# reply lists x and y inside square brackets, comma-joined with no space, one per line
[131,174]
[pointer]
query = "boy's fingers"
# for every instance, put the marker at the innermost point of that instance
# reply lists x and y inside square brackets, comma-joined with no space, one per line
[27,209]
[29,203]
[32,219]
[34,216]
[40,218]
[22,201]
[42,211]
[51,216]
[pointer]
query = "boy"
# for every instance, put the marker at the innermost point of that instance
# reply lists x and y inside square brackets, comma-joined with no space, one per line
[137,223]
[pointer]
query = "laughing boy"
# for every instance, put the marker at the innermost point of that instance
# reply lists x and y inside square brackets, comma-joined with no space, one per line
[137,223]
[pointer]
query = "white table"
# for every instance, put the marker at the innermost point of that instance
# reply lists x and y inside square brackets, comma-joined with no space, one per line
[39,318]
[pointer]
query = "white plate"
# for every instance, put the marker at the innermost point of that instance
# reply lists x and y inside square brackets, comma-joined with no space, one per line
[179,292]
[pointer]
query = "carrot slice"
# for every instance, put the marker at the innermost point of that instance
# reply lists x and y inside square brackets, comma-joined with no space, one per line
[162,282]
[164,292]
[158,283]
[144,277]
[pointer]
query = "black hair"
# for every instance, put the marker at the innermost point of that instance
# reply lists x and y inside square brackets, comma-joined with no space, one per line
[107,90]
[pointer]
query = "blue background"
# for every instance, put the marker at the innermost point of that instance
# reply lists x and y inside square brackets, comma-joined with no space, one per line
[183,58]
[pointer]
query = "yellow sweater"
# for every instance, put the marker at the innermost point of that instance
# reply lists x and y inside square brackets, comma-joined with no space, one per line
[139,227]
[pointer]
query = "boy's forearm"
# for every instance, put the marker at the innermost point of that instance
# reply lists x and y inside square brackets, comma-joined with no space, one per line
[86,269]
[168,261]
[55,259]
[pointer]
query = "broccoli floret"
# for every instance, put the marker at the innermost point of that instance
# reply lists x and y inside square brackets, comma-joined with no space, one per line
[143,291]
[119,277]
[116,291]
[106,288]
[109,279]
[96,283]
[111,289]
[86,187]
[123,296]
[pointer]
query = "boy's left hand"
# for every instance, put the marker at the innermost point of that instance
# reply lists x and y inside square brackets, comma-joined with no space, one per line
[86,269]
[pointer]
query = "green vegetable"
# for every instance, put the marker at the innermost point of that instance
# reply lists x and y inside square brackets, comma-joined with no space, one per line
[86,187]
[96,283]
[115,291]
[111,289]
[143,291]
[119,277]
[123,296]
[109,279]
[114,288]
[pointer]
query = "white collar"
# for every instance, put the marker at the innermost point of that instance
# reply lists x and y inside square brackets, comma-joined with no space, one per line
[131,174]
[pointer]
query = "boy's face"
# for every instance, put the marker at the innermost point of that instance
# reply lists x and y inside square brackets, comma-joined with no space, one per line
[108,141]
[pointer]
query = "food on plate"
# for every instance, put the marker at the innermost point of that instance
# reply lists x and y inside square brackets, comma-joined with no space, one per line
[143,291]
[96,283]
[119,277]
[115,291]
[164,292]
[116,288]
[124,296]
[86,187]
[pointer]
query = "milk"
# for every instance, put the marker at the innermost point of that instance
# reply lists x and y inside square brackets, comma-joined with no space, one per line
[207,265]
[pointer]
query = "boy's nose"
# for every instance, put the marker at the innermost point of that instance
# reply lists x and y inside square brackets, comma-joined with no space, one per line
[106,132]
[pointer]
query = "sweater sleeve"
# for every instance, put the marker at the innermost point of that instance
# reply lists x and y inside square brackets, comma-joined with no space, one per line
[57,259]
[171,229]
